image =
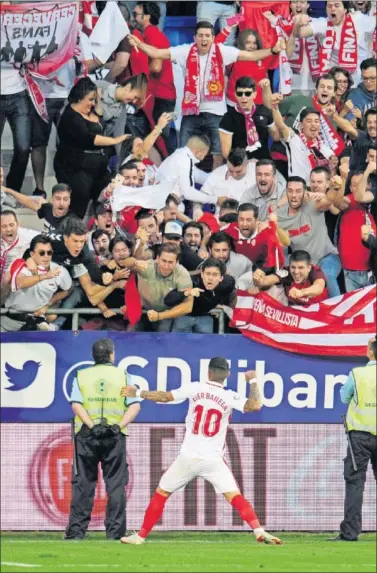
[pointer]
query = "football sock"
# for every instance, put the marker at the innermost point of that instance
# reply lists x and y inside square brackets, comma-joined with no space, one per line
[246,511]
[152,514]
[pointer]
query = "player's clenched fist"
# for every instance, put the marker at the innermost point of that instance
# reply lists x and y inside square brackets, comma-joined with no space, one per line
[128,391]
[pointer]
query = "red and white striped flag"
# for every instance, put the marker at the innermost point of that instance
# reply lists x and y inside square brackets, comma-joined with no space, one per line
[339,326]
[88,16]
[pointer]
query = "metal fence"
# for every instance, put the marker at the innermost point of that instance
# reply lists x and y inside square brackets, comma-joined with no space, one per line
[76,312]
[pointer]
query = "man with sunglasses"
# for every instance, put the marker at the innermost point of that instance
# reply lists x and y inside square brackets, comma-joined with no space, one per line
[32,294]
[248,125]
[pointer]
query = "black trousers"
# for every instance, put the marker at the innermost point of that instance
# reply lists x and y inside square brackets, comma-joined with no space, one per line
[365,449]
[111,453]
[161,106]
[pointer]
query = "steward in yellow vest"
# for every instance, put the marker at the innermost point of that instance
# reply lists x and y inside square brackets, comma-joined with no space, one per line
[101,420]
[360,393]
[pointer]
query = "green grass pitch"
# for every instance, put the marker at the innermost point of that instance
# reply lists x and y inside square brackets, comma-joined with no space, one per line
[186,552]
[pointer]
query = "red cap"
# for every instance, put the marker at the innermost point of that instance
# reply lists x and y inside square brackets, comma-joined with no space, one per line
[211,222]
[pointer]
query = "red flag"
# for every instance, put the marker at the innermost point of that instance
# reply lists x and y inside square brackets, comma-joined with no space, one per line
[132,301]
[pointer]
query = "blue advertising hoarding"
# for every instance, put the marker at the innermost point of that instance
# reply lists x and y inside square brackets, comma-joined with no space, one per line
[37,372]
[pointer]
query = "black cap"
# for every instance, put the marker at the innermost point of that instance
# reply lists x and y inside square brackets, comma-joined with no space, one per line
[218,363]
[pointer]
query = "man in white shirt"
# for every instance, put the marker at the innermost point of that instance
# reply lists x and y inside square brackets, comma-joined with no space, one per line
[32,294]
[203,64]
[346,39]
[202,451]
[232,179]
[14,242]
[268,189]
[15,106]
[305,150]
[180,171]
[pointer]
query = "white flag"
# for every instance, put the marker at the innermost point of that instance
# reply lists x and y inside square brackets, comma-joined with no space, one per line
[109,31]
[149,197]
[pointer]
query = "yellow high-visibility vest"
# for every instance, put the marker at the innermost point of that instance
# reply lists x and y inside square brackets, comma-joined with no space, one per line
[100,387]
[361,415]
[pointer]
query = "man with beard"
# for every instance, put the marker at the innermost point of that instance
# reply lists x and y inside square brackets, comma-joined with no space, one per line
[14,241]
[221,248]
[360,149]
[100,242]
[211,288]
[306,226]
[103,221]
[269,188]
[344,37]
[55,212]
[255,240]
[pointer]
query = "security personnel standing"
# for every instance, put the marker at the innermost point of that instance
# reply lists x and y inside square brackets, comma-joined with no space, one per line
[101,420]
[360,393]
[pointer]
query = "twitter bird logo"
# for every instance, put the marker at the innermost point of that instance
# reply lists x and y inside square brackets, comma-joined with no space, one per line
[21,378]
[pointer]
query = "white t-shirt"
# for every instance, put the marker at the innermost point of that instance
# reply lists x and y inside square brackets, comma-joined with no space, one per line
[32,298]
[220,184]
[207,419]
[179,55]
[11,82]
[303,82]
[364,26]
[297,153]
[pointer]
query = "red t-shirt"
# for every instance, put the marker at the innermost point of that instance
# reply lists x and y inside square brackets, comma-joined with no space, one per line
[255,70]
[353,255]
[163,86]
[256,248]
[127,221]
[315,274]
[138,62]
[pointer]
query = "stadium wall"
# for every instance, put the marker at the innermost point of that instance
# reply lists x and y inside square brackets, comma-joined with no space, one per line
[287,458]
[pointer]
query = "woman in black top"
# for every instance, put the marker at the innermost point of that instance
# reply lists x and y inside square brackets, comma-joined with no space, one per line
[80,160]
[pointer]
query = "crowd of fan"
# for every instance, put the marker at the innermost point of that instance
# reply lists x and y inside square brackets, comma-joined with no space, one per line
[265,193]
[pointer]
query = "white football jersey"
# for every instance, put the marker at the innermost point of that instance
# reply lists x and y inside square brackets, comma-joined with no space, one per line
[207,419]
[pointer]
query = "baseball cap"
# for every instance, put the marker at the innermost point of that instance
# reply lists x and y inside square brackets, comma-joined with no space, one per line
[172,230]
[102,208]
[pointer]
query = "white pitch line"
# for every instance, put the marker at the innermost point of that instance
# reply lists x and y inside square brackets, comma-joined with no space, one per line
[13,564]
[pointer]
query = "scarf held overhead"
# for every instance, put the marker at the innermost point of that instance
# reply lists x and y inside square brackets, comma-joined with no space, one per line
[347,50]
[329,135]
[214,82]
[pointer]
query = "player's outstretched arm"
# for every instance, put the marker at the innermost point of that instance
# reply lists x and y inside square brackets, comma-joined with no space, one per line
[254,401]
[155,396]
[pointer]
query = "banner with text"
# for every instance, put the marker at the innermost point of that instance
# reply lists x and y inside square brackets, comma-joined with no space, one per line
[39,35]
[292,474]
[38,369]
[339,326]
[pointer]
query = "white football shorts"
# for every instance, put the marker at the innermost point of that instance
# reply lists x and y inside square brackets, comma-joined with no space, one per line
[184,469]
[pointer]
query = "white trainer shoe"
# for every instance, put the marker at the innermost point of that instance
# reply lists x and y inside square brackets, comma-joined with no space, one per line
[134,539]
[263,537]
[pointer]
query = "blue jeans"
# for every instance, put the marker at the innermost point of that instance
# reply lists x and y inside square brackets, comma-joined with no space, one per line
[204,123]
[213,11]
[331,266]
[355,279]
[70,302]
[16,109]
[199,324]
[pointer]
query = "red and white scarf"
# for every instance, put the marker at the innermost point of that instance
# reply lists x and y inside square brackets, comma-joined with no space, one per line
[315,155]
[311,46]
[329,135]
[253,142]
[347,50]
[88,16]
[214,82]
[3,255]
